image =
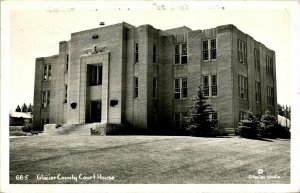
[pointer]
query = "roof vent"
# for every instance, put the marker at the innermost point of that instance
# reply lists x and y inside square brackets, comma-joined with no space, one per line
[102,23]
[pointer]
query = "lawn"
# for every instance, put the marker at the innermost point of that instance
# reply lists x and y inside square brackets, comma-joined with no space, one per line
[148,159]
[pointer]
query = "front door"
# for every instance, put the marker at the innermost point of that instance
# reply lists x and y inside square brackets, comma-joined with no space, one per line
[95,113]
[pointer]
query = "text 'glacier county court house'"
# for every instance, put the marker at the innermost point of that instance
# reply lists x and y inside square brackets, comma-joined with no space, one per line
[147,78]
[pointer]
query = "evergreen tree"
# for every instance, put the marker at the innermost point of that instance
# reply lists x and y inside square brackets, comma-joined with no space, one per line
[29,108]
[268,123]
[249,126]
[280,110]
[18,109]
[199,121]
[24,108]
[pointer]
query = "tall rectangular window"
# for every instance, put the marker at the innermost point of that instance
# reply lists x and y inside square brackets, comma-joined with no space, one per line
[95,75]
[45,98]
[243,87]
[206,86]
[67,63]
[270,96]
[183,54]
[210,87]
[257,92]
[177,88]
[180,88]
[213,49]
[177,54]
[180,120]
[136,87]
[154,54]
[209,49]
[242,52]
[205,50]
[214,87]
[66,93]
[47,72]
[154,91]
[214,119]
[256,59]
[136,52]
[180,54]
[269,66]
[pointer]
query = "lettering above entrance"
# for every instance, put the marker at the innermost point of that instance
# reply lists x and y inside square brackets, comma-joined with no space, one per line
[95,50]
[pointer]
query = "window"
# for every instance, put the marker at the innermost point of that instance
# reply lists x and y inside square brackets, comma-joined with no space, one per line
[257,92]
[256,59]
[180,88]
[136,87]
[210,87]
[214,119]
[180,120]
[181,54]
[66,93]
[270,96]
[95,37]
[154,91]
[96,75]
[47,72]
[209,49]
[136,52]
[243,87]
[242,52]
[45,98]
[214,89]
[213,49]
[269,66]
[67,63]
[206,86]
[154,54]
[242,115]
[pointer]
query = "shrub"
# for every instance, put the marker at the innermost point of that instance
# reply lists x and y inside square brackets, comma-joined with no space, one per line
[249,126]
[268,123]
[27,126]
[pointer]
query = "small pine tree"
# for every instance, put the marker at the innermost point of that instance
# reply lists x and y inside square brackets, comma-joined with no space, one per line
[18,109]
[249,126]
[199,121]
[24,108]
[29,108]
[268,123]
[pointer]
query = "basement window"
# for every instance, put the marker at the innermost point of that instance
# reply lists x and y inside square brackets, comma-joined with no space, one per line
[95,37]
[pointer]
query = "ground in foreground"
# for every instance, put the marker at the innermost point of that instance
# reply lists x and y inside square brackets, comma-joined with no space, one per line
[148,159]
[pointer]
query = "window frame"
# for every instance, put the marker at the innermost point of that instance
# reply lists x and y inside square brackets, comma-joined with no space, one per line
[269,66]
[46,98]
[47,72]
[136,87]
[256,59]
[181,54]
[136,52]
[209,51]
[242,52]
[180,88]
[154,52]
[154,88]
[257,92]
[243,87]
[96,75]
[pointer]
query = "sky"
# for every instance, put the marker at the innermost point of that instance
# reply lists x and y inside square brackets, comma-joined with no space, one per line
[36,32]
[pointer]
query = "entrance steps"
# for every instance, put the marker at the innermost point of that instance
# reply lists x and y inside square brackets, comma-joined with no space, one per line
[67,129]
[230,131]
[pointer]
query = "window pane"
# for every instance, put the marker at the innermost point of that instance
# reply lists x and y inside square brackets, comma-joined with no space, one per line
[49,72]
[184,60]
[184,49]
[205,45]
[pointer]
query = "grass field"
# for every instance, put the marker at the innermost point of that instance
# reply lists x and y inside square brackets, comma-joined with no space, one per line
[148,159]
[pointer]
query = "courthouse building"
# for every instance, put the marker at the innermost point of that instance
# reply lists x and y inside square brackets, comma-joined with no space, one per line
[146,78]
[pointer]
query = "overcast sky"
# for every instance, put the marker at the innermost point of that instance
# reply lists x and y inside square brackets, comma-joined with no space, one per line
[37,32]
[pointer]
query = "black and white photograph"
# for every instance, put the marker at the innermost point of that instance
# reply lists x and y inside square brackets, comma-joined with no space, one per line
[150,96]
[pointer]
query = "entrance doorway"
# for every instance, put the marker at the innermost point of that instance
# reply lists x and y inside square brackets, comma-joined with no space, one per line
[95,111]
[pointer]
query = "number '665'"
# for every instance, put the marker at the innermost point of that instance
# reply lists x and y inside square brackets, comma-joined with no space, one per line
[21,177]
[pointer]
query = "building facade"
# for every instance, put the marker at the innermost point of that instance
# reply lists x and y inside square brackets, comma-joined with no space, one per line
[147,78]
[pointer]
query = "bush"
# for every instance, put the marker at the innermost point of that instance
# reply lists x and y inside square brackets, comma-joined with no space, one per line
[27,126]
[249,126]
[268,126]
